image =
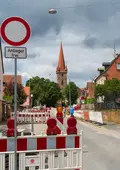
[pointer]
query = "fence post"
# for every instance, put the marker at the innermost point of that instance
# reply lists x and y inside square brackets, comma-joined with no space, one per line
[32,124]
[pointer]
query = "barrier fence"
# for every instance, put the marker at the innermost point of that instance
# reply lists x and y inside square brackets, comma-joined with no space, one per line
[41,153]
[48,151]
[32,117]
[90,116]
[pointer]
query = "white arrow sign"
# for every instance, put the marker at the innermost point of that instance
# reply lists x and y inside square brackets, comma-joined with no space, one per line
[60,126]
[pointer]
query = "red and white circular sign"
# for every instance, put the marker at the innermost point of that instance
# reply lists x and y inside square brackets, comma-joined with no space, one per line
[15,31]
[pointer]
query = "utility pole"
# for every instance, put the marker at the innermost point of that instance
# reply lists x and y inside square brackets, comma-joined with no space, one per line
[69,94]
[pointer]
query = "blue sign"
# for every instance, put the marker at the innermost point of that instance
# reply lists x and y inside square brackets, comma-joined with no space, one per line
[71,111]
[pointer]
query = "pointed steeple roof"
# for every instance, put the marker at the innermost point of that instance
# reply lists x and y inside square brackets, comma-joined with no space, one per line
[61,61]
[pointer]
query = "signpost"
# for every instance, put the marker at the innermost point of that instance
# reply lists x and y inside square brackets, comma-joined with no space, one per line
[16,52]
[15,31]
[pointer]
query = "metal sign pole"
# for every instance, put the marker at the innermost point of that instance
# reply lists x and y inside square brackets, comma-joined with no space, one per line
[15,111]
[69,94]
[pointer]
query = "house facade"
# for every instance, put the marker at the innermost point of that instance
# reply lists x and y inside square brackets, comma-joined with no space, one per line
[1,82]
[27,103]
[90,90]
[109,71]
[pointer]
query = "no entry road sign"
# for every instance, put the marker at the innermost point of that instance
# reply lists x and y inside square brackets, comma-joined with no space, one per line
[15,31]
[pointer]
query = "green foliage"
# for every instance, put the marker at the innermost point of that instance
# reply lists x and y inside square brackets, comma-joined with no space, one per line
[9,94]
[44,91]
[8,98]
[74,92]
[110,89]
[99,90]
[89,101]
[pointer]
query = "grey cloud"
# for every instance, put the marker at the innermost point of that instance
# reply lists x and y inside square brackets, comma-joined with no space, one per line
[92,17]
[90,42]
[33,55]
[8,65]
[35,13]
[54,64]
[82,76]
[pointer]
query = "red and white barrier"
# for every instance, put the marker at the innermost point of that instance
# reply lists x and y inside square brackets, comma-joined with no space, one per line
[35,117]
[90,116]
[96,117]
[40,143]
[43,149]
[79,114]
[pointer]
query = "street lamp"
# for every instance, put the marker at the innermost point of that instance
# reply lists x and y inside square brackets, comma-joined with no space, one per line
[52,11]
[31,99]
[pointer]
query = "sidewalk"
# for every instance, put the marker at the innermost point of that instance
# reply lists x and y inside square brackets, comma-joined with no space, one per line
[112,126]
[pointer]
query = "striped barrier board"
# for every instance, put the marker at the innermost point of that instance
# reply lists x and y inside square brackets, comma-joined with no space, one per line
[40,143]
[26,117]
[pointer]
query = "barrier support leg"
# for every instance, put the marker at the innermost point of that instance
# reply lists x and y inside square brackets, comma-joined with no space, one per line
[32,125]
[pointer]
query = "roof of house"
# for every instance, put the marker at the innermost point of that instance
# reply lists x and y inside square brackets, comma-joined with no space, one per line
[27,90]
[10,78]
[90,87]
[61,62]
[1,55]
[112,62]
[90,84]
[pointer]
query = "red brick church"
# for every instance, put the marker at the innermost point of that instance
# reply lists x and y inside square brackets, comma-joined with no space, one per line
[61,70]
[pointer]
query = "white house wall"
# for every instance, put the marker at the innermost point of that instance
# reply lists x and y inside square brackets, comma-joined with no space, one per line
[101,80]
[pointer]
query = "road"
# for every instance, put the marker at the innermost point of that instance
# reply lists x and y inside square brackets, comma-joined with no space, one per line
[101,148]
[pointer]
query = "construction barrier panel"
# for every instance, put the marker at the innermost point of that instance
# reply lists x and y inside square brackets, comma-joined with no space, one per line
[86,115]
[79,114]
[40,152]
[43,151]
[91,116]
[35,117]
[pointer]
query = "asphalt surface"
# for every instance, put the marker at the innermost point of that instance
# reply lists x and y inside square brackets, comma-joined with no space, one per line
[101,148]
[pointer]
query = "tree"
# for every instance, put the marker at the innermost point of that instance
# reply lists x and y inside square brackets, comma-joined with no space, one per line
[110,90]
[73,89]
[9,93]
[44,91]
[99,90]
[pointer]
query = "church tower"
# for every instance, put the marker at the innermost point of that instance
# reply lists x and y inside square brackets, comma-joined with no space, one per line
[61,70]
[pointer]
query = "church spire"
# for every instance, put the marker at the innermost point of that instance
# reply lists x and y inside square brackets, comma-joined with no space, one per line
[61,61]
[61,70]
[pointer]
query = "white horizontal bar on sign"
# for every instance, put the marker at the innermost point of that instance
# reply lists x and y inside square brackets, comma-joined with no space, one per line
[16,52]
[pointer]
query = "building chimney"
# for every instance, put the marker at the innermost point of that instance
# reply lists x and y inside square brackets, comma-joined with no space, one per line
[101,70]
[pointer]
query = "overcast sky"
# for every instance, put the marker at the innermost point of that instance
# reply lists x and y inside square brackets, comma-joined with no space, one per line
[88,30]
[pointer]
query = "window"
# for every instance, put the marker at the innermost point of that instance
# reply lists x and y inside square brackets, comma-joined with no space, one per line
[62,82]
[4,83]
[62,74]
[118,66]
